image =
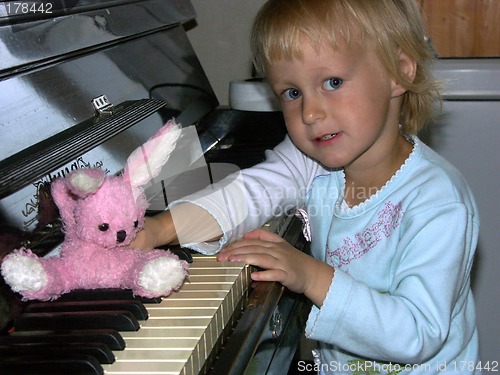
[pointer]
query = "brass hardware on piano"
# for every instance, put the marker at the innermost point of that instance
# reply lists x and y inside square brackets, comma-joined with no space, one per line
[54,118]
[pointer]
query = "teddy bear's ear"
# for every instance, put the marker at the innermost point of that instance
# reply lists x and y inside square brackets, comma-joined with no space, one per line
[145,163]
[83,182]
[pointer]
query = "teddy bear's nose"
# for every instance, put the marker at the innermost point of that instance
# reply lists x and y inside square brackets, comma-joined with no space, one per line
[121,235]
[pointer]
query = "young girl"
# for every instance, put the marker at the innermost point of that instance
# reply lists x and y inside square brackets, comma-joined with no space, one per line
[393,226]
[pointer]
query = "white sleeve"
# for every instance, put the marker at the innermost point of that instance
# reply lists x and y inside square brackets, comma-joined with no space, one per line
[249,198]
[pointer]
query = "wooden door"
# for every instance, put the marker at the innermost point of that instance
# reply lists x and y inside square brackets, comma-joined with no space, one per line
[463,28]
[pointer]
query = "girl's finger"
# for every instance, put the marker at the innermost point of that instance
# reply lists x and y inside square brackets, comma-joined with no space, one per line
[263,235]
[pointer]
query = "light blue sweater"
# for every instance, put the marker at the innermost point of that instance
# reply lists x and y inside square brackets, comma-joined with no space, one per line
[400,300]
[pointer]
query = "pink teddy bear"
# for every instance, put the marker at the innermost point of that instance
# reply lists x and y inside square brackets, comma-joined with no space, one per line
[101,215]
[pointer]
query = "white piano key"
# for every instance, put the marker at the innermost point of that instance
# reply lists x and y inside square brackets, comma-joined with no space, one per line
[183,329]
[198,295]
[172,312]
[166,343]
[183,303]
[170,332]
[161,323]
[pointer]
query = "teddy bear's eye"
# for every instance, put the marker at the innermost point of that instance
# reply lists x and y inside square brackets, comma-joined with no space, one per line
[136,223]
[103,227]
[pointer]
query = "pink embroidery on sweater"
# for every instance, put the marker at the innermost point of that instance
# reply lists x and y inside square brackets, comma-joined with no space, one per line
[389,218]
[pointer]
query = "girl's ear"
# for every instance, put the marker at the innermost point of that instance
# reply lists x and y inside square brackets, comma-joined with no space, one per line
[408,67]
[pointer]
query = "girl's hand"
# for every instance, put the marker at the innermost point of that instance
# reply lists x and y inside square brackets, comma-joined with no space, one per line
[281,262]
[185,221]
[158,230]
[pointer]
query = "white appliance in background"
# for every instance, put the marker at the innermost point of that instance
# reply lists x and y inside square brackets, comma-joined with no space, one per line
[253,94]
[468,135]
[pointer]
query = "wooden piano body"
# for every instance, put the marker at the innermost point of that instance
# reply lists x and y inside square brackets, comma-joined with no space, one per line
[137,54]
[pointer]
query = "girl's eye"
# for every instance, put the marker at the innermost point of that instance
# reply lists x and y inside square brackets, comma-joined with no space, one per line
[291,94]
[332,83]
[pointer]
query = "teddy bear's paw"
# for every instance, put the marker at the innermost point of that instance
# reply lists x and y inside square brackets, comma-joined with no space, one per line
[161,275]
[24,274]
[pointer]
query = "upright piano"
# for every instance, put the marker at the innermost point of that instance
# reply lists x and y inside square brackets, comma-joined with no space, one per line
[82,84]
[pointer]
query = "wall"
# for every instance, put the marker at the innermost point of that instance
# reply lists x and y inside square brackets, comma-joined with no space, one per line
[220,36]
[221,40]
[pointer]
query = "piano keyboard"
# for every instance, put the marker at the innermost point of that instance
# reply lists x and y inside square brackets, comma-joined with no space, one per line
[181,335]
[184,328]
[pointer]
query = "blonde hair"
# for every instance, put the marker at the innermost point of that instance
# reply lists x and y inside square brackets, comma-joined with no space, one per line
[390,26]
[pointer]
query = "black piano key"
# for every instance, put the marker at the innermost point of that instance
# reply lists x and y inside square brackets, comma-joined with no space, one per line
[118,320]
[54,365]
[136,307]
[109,337]
[99,351]
[183,254]
[105,294]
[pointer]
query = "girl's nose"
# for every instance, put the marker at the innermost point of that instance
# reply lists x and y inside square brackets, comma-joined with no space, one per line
[312,110]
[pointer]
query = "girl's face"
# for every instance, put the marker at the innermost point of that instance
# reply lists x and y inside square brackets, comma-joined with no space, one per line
[340,106]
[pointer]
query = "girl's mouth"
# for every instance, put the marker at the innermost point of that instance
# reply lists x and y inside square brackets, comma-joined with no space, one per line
[327,137]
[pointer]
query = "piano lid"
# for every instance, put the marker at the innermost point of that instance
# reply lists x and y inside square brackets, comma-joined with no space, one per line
[33,32]
[53,67]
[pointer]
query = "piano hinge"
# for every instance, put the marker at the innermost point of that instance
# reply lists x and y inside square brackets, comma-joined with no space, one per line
[32,163]
[102,106]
